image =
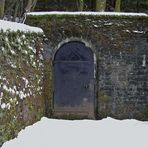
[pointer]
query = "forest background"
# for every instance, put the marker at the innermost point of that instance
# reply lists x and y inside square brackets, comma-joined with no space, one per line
[15,10]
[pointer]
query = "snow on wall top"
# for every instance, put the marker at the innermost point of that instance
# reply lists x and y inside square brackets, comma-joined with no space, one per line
[13,26]
[88,13]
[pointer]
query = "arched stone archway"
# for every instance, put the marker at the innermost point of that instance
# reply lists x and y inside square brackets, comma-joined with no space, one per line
[73,73]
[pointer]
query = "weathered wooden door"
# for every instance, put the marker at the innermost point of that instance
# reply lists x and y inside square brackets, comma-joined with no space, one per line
[74,80]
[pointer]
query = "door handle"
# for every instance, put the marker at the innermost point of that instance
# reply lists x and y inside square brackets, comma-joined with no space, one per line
[89,86]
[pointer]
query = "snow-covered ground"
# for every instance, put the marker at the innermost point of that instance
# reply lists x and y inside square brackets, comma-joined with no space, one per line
[106,133]
[13,26]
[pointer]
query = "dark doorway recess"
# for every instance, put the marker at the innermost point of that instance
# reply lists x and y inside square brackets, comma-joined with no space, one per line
[73,72]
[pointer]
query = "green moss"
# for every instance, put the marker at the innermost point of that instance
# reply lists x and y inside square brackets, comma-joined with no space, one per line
[104,29]
[19,60]
[103,98]
[144,114]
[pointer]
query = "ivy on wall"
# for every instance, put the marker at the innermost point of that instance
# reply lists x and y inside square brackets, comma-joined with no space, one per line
[21,78]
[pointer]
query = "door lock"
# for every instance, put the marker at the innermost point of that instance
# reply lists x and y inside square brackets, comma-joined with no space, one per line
[86,86]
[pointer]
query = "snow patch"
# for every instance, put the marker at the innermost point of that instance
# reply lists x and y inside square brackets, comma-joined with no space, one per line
[87,13]
[4,105]
[13,26]
[10,90]
[144,61]
[136,31]
[26,81]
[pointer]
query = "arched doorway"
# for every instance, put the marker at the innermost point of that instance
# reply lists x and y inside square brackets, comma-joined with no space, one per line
[73,72]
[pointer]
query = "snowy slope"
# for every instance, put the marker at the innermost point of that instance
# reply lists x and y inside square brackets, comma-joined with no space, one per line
[13,26]
[106,133]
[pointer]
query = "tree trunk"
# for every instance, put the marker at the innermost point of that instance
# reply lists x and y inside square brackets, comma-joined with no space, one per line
[2,8]
[138,4]
[100,5]
[15,11]
[31,5]
[80,5]
[118,6]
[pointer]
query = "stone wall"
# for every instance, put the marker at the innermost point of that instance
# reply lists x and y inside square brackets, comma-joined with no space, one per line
[21,81]
[121,47]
